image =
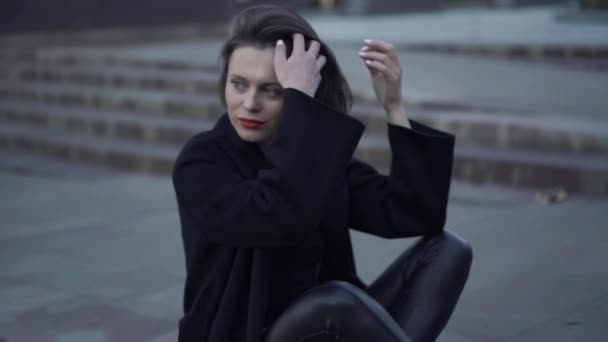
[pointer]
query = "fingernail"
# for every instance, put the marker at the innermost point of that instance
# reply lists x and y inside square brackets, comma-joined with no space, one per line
[368,62]
[365,48]
[280,42]
[361,53]
[367,41]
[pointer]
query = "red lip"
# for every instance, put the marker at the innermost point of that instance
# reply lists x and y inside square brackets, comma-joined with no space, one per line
[249,123]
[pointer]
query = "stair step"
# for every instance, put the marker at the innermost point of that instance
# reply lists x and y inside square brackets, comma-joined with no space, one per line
[153,102]
[181,81]
[96,57]
[514,132]
[500,130]
[61,43]
[530,169]
[522,132]
[527,132]
[95,151]
[136,127]
[583,174]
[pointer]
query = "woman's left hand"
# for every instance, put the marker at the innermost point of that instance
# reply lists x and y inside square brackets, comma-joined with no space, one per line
[385,70]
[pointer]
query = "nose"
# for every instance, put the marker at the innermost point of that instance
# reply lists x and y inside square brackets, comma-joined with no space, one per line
[251,102]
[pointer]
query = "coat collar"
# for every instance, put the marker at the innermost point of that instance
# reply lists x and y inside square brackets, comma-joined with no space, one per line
[247,155]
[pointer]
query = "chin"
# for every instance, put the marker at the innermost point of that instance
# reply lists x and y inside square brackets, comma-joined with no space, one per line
[252,137]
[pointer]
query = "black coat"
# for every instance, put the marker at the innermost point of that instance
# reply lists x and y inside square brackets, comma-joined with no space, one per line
[238,205]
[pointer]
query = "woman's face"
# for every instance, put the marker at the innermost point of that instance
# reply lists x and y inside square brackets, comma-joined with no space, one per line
[253,94]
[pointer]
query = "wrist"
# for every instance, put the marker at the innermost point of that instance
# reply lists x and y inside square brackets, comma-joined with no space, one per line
[397,116]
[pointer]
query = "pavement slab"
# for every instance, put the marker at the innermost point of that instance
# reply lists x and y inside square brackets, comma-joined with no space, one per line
[101,260]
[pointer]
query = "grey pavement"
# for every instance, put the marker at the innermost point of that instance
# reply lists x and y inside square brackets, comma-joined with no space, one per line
[99,258]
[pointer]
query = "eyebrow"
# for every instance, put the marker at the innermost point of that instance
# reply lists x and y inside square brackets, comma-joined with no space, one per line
[265,84]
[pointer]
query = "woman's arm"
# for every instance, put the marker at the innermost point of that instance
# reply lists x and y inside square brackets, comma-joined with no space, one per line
[386,74]
[311,147]
[412,199]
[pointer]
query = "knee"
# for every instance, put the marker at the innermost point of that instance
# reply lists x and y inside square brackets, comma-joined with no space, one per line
[339,300]
[339,294]
[356,316]
[323,308]
[458,250]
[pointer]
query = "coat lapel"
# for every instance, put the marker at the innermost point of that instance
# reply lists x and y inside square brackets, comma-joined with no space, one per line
[249,159]
[247,156]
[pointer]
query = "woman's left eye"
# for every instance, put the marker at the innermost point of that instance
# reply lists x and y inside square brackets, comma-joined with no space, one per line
[274,92]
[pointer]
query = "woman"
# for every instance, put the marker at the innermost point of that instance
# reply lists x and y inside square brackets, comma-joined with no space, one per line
[267,196]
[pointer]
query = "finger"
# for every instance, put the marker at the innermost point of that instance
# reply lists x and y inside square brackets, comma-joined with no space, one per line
[298,43]
[382,46]
[317,81]
[379,45]
[379,67]
[279,53]
[314,48]
[382,58]
[320,62]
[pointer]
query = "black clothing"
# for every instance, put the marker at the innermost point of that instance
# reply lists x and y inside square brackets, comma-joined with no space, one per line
[410,301]
[294,270]
[238,205]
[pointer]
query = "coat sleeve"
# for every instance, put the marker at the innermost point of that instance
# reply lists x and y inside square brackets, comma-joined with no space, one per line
[311,147]
[412,199]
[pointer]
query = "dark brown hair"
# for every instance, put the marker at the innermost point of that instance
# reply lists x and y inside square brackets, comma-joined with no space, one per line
[261,26]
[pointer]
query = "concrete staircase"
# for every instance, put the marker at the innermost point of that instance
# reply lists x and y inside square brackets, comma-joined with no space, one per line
[129,114]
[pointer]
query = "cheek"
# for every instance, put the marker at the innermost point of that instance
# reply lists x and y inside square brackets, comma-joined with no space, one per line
[275,113]
[275,108]
[232,99]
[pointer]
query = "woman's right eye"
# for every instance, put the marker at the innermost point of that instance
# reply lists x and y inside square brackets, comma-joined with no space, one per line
[238,85]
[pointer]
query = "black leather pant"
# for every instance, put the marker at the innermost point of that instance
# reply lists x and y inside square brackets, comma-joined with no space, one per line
[411,300]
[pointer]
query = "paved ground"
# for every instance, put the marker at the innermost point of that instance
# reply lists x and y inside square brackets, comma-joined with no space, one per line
[99,258]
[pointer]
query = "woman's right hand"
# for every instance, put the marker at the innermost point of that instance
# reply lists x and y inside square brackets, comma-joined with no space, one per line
[301,70]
